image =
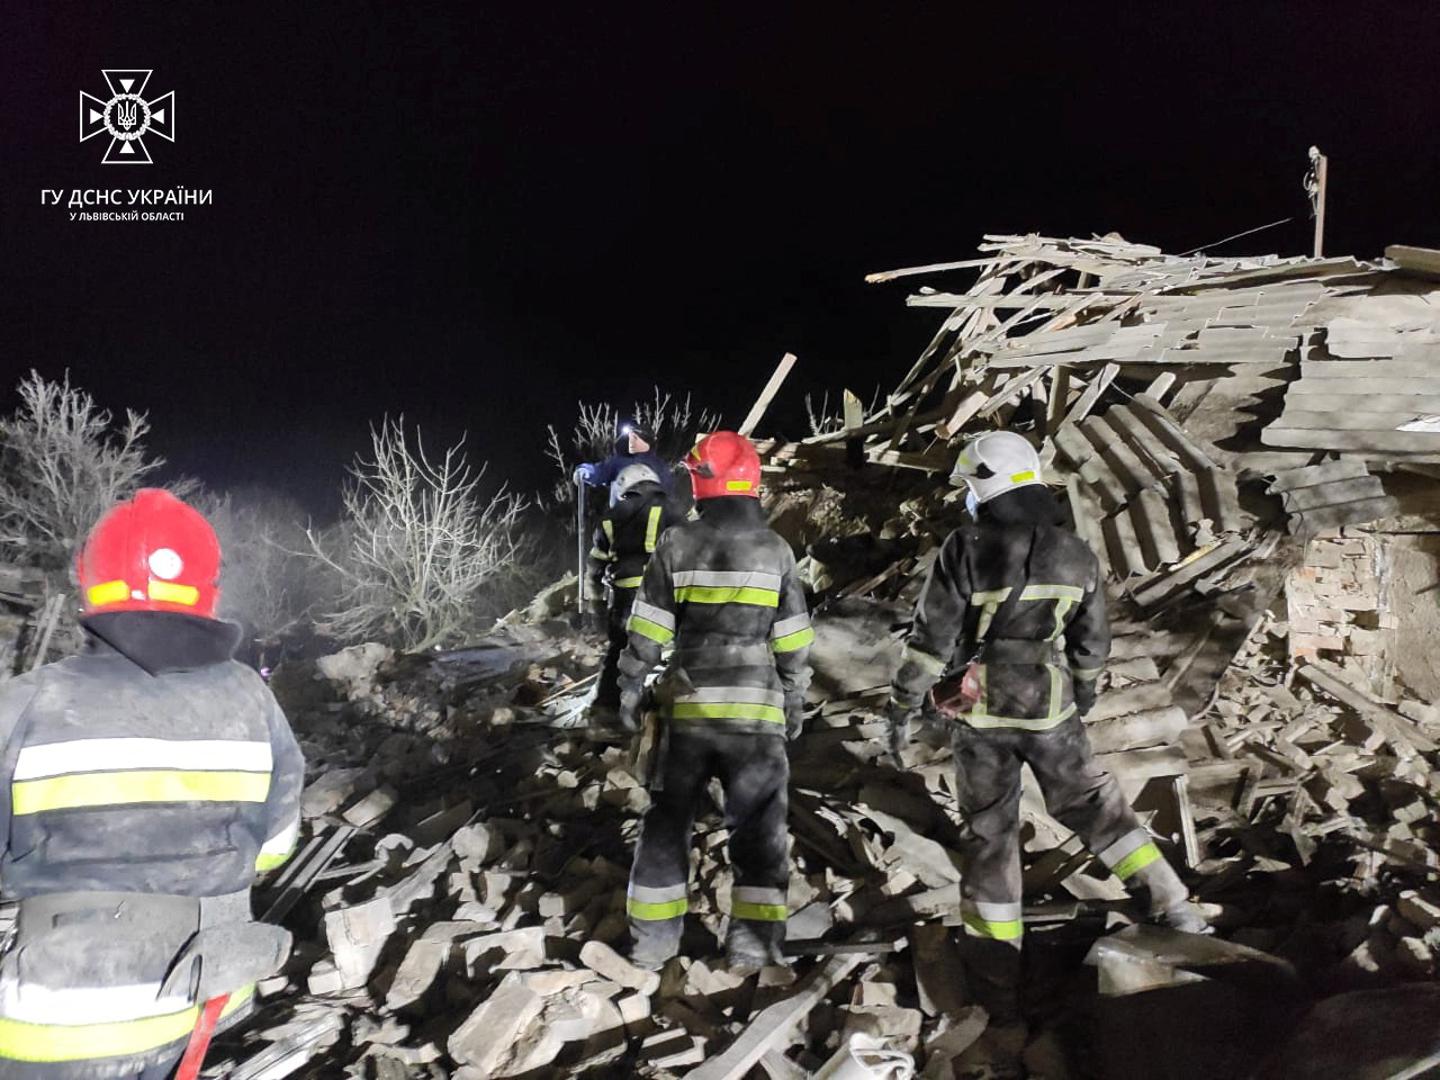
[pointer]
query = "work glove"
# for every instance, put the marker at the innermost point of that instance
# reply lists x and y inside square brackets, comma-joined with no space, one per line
[899,717]
[629,715]
[584,473]
[794,717]
[1084,698]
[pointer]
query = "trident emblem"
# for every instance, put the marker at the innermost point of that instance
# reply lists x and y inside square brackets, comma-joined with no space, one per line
[127,117]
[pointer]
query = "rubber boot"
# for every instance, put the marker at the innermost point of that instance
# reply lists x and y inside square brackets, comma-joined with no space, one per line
[1169,899]
[749,948]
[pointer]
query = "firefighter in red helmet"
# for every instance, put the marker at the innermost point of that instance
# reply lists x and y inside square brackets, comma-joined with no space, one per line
[722,592]
[150,778]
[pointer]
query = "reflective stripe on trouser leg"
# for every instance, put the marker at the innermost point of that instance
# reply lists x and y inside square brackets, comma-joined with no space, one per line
[998,922]
[1130,854]
[1138,862]
[758,903]
[756,773]
[988,784]
[651,903]
[655,901]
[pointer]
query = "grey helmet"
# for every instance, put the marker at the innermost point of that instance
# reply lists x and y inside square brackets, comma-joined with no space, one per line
[628,478]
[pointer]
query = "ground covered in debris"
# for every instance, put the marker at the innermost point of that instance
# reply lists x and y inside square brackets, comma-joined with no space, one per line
[458,898]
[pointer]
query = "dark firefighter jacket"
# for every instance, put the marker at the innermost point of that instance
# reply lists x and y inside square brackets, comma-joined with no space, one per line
[627,536]
[141,802]
[1055,637]
[724,592]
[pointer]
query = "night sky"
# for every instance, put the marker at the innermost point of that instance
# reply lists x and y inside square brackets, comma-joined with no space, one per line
[476,214]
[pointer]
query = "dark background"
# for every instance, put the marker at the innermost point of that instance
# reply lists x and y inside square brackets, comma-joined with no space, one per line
[477,214]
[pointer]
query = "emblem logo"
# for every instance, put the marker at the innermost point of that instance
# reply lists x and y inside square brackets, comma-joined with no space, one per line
[127,117]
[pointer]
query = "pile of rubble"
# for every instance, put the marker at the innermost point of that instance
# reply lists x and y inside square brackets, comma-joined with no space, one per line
[459,896]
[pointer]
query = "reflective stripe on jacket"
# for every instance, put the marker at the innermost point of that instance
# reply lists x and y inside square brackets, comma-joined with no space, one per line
[170,789]
[723,591]
[627,536]
[1062,603]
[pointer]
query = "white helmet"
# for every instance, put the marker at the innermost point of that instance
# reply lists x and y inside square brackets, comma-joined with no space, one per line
[628,477]
[994,463]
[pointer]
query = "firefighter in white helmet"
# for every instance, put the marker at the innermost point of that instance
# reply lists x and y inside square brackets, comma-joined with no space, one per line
[640,512]
[1017,601]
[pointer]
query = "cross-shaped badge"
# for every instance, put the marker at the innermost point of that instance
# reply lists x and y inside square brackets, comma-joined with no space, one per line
[127,117]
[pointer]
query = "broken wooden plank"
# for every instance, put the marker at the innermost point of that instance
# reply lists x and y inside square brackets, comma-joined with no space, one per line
[1332,493]
[299,878]
[1311,475]
[774,1023]
[757,411]
[1091,395]
[1393,725]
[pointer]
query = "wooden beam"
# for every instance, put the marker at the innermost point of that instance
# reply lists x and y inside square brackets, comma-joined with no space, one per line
[757,411]
[1417,260]
[772,1025]
[1091,397]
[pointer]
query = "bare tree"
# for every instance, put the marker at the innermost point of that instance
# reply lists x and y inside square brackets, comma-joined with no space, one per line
[64,461]
[416,545]
[266,580]
[675,422]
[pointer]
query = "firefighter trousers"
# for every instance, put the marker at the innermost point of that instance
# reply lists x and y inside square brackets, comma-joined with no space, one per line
[1081,795]
[607,688]
[755,773]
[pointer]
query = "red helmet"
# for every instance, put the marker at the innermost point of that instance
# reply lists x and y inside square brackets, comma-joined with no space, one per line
[724,464]
[152,553]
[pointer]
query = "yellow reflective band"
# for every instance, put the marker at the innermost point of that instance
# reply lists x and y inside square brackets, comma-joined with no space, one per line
[167,592]
[998,930]
[790,642]
[601,556]
[647,912]
[22,1041]
[609,527]
[1085,674]
[140,786]
[648,629]
[1053,592]
[724,594]
[652,528]
[627,582]
[1021,477]
[980,718]
[109,592]
[1136,861]
[989,596]
[264,862]
[1062,608]
[726,710]
[745,909]
[739,485]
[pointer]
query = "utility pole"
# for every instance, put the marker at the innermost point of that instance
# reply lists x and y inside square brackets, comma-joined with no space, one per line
[1315,188]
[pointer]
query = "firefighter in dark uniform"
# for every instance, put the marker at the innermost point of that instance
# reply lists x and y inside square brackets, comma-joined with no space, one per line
[1037,657]
[640,512]
[723,592]
[148,780]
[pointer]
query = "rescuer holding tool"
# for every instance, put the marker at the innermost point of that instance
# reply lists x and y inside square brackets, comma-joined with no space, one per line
[640,512]
[723,592]
[150,778]
[1010,632]
[634,445]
